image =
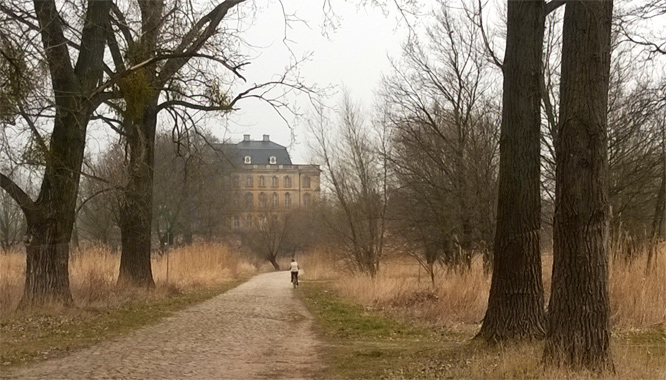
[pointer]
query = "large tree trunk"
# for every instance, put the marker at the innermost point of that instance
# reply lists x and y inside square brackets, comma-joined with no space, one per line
[141,96]
[136,214]
[579,310]
[273,261]
[50,227]
[47,242]
[50,218]
[516,304]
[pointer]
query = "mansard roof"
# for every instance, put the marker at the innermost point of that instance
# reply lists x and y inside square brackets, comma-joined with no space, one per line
[260,152]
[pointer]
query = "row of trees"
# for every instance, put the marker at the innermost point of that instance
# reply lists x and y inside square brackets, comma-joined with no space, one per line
[428,175]
[124,65]
[443,174]
[193,199]
[190,194]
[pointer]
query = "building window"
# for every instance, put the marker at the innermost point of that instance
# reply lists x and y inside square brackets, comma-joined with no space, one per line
[272,160]
[287,181]
[287,200]
[248,200]
[306,182]
[248,221]
[262,181]
[275,200]
[235,180]
[275,182]
[262,200]
[307,199]
[249,182]
[247,160]
[236,222]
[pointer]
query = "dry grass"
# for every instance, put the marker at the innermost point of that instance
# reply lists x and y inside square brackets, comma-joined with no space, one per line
[523,361]
[12,272]
[93,274]
[454,308]
[319,265]
[459,300]
[199,266]
[638,300]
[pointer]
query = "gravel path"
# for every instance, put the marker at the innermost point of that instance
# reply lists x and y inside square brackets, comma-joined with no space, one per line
[259,330]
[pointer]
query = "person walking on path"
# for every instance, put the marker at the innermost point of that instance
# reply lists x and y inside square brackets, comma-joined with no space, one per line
[293,267]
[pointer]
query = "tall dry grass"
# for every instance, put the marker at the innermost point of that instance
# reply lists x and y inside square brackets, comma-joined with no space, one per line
[638,297]
[12,278]
[320,264]
[459,300]
[93,274]
[200,265]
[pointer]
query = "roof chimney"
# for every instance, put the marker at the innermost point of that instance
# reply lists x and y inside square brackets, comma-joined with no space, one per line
[267,138]
[246,137]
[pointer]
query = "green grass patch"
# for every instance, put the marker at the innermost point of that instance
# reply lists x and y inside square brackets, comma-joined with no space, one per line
[363,344]
[31,336]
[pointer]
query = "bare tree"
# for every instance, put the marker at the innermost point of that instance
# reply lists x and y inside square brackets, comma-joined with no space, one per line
[354,163]
[150,64]
[190,190]
[50,218]
[169,57]
[438,103]
[99,198]
[635,163]
[631,23]
[268,238]
[579,321]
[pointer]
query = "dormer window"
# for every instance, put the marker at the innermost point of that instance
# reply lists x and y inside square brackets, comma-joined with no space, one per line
[272,160]
[248,160]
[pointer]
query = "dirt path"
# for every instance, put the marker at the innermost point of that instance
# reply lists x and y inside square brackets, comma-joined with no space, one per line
[259,330]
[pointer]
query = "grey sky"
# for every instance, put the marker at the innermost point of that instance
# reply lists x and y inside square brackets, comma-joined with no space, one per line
[353,55]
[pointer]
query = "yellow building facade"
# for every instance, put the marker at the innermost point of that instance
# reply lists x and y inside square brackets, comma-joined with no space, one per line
[265,181]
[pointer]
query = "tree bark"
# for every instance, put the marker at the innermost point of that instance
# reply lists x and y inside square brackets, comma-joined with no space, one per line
[50,218]
[515,303]
[47,253]
[579,325]
[136,214]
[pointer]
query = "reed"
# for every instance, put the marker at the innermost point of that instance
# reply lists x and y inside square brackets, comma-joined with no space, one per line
[94,270]
[459,299]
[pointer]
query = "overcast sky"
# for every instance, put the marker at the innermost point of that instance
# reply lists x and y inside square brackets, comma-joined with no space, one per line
[353,55]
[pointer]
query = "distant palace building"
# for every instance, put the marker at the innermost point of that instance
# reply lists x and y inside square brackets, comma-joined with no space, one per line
[265,182]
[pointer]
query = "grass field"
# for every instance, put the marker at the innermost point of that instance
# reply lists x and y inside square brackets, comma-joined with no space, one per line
[366,344]
[397,326]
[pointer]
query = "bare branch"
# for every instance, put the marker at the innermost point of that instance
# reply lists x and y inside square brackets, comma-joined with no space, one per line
[553,5]
[22,199]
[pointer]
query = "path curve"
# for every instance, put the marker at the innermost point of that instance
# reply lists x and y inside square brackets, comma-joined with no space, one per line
[258,330]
